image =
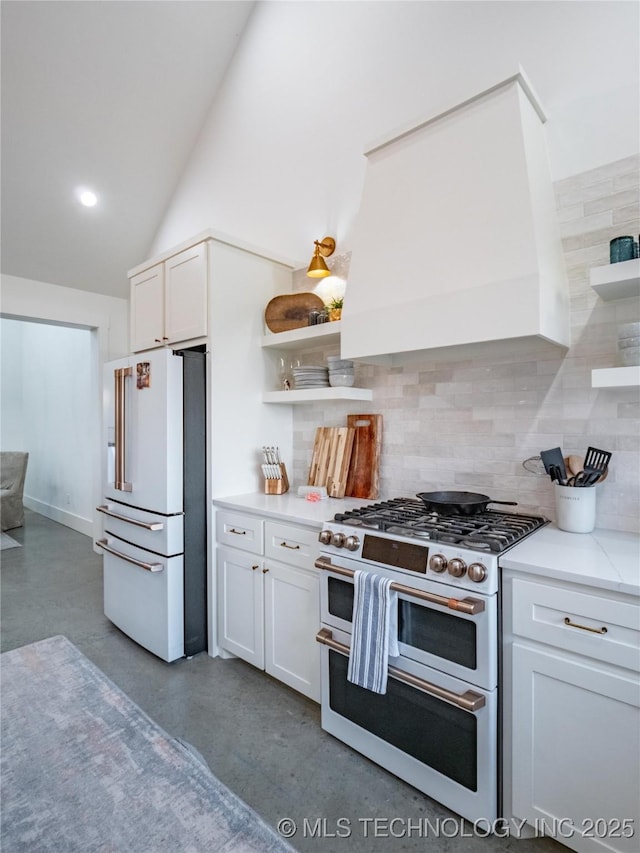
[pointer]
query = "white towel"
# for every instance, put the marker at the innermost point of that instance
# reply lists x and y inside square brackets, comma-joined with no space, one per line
[374,635]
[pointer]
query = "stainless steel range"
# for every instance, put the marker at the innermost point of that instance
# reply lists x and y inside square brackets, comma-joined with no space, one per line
[436,727]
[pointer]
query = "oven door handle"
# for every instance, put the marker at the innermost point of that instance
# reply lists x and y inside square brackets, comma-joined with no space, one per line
[468,701]
[470,606]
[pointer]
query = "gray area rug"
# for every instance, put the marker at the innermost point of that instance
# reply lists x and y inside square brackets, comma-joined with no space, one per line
[83,768]
[7,541]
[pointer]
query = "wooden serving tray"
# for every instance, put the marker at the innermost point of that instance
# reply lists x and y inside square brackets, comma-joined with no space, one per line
[291,311]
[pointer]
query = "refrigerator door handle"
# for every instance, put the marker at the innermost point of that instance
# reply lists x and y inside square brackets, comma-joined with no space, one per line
[155,525]
[120,374]
[149,567]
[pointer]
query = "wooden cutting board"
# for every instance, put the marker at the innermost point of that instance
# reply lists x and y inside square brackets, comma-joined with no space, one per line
[330,459]
[363,479]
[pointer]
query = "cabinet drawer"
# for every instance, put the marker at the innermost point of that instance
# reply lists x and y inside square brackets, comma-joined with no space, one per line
[291,544]
[594,625]
[240,531]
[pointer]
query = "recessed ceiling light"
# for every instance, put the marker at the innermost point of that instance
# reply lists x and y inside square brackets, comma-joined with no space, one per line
[87,197]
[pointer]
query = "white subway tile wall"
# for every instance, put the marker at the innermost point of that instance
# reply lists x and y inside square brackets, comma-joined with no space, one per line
[469,423]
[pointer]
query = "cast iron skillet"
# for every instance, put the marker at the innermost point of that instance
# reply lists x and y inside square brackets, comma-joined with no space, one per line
[458,503]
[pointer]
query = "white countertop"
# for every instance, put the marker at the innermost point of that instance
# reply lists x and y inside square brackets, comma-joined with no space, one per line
[604,559]
[290,507]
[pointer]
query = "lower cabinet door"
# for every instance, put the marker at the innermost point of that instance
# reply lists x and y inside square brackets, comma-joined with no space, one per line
[292,619]
[576,773]
[241,605]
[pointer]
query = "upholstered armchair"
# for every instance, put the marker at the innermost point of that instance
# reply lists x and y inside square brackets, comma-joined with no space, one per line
[13,470]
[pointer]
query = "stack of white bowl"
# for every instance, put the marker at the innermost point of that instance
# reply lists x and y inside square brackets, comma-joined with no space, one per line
[340,371]
[629,344]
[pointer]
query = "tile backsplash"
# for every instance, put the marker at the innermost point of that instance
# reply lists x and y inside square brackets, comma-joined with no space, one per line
[469,423]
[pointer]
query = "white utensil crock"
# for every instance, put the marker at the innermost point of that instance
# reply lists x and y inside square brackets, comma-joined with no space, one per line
[575,508]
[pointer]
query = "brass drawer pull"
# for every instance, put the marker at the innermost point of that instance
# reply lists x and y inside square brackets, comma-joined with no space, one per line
[154,525]
[148,567]
[571,624]
[292,547]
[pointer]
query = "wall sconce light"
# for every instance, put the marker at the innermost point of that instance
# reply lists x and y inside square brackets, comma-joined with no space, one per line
[318,267]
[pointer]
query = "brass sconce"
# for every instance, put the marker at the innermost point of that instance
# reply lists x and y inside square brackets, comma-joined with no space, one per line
[318,267]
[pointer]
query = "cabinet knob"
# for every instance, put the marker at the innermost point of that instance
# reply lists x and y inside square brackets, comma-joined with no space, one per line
[264,571]
[255,567]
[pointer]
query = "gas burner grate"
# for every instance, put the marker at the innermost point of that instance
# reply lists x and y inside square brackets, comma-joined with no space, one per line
[491,530]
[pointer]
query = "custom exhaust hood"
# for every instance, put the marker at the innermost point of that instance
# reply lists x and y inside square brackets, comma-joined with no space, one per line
[457,239]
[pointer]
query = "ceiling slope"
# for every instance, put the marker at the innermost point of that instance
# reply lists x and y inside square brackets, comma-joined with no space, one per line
[109,96]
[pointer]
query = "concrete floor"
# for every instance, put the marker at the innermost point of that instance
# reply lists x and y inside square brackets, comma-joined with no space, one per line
[262,739]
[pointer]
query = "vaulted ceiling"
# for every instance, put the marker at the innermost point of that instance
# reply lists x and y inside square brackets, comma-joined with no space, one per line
[107,96]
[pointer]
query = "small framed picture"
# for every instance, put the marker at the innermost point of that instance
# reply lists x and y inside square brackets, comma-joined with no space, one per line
[143,374]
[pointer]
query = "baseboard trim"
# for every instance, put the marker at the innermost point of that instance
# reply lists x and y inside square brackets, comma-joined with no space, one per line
[69,519]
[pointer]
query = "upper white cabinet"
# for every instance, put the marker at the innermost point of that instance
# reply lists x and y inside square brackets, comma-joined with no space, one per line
[616,281]
[457,240]
[169,300]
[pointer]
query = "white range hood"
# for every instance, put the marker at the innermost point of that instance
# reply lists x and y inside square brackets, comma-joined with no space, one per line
[457,241]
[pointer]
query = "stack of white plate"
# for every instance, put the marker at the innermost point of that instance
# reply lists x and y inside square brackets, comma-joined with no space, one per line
[341,373]
[310,376]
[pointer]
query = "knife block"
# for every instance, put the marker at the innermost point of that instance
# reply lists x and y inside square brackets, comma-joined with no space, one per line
[277,485]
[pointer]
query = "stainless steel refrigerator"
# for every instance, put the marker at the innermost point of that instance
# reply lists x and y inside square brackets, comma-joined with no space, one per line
[155,510]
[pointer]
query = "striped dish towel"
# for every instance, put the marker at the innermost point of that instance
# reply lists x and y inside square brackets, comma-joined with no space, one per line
[374,631]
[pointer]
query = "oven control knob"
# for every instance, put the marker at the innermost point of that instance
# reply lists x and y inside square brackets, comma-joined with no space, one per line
[457,567]
[477,572]
[337,539]
[438,563]
[352,543]
[325,537]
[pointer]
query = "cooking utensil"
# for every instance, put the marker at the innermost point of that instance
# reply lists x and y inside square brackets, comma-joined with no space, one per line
[458,503]
[556,476]
[596,460]
[554,457]
[574,464]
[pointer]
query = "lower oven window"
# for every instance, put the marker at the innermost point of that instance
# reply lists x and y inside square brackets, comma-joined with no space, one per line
[442,634]
[432,731]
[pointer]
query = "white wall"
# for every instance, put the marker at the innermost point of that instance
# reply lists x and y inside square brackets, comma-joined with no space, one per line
[48,402]
[281,162]
[105,321]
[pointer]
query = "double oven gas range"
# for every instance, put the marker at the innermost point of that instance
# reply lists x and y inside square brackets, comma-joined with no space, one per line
[436,727]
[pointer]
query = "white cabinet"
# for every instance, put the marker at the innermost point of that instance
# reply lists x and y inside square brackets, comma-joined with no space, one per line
[169,300]
[572,712]
[268,598]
